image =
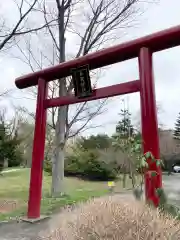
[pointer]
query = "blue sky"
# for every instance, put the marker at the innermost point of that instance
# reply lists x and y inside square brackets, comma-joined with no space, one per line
[166,70]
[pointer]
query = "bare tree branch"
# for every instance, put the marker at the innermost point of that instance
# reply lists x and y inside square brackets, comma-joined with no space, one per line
[49,29]
[18,30]
[22,17]
[96,23]
[102,18]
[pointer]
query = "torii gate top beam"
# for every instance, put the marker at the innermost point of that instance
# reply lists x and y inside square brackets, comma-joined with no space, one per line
[155,42]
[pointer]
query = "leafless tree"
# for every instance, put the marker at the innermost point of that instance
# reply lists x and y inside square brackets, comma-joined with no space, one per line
[168,145]
[94,25]
[123,161]
[169,148]
[137,120]
[26,133]
[17,24]
[23,8]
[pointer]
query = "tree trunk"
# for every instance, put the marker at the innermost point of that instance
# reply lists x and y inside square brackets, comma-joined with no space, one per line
[28,161]
[5,163]
[133,179]
[58,173]
[124,180]
[58,156]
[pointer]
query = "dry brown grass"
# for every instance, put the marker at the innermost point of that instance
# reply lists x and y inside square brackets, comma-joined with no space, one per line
[113,218]
[9,205]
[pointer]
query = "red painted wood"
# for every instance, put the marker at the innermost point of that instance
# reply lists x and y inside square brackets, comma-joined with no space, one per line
[149,116]
[35,189]
[156,42]
[110,91]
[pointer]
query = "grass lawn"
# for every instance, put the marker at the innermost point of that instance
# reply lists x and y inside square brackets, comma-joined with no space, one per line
[14,188]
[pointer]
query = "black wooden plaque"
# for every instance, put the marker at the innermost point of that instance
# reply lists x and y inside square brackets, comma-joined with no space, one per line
[82,82]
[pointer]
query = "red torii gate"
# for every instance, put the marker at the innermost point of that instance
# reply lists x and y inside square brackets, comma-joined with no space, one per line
[143,48]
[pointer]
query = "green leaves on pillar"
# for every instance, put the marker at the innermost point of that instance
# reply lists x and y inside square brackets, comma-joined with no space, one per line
[154,173]
[147,155]
[159,162]
[162,197]
[143,162]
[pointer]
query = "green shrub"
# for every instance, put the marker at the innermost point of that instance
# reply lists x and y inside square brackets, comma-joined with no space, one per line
[1,167]
[9,148]
[86,165]
[90,167]
[47,166]
[72,166]
[15,158]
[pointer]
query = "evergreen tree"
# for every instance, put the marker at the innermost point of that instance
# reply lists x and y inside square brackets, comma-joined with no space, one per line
[125,143]
[177,128]
[100,141]
[124,127]
[9,147]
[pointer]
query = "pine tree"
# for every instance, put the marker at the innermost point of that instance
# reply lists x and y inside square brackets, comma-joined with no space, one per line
[177,128]
[124,143]
[8,147]
[124,126]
